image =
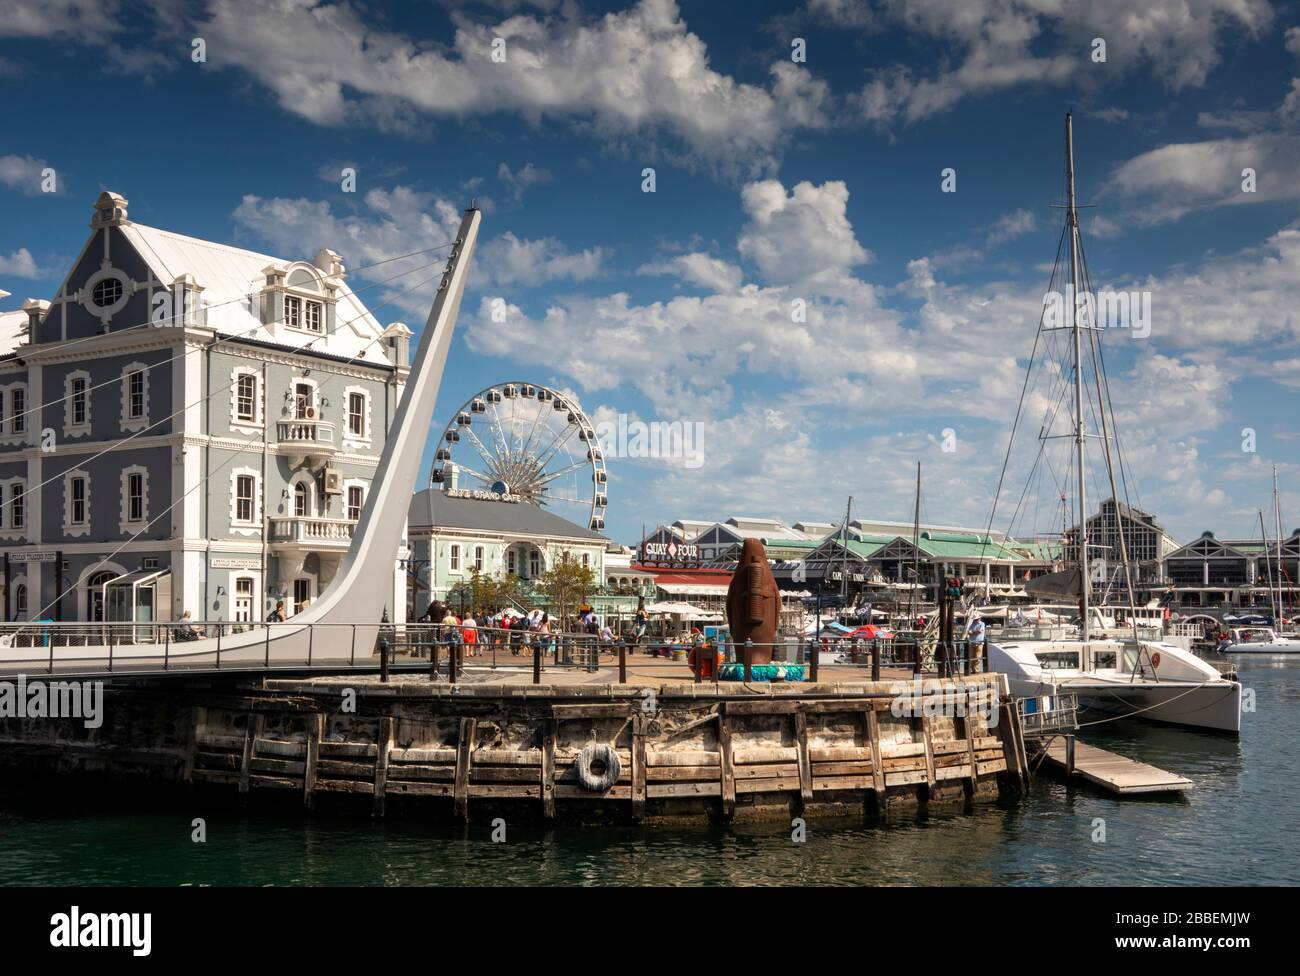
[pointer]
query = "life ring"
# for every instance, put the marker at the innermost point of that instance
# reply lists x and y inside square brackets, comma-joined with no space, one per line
[603,753]
[1155,659]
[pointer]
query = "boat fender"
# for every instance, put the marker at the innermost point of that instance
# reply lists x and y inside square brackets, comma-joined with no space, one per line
[604,754]
[1155,659]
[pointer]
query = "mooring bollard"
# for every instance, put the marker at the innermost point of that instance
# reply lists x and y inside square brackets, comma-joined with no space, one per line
[453,661]
[749,647]
[814,652]
[875,659]
[622,662]
[537,663]
[383,660]
[433,661]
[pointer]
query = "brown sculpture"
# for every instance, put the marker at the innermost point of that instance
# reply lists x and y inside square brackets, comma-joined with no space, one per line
[753,604]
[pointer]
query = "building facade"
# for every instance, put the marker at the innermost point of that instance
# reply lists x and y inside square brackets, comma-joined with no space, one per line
[188,426]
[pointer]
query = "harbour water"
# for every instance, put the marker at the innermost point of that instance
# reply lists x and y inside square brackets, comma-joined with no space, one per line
[1236,827]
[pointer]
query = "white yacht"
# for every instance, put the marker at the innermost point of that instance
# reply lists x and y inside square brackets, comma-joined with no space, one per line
[1151,680]
[1116,662]
[1259,640]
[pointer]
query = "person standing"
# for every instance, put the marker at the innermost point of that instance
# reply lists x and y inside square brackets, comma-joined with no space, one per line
[975,642]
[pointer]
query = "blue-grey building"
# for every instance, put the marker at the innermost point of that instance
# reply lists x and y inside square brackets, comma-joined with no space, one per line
[186,425]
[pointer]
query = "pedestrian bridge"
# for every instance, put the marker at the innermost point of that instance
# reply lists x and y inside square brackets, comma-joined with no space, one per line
[102,650]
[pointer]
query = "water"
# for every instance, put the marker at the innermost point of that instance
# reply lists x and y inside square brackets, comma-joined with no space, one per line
[1236,827]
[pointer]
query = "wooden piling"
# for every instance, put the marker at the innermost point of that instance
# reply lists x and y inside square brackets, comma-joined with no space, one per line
[383,745]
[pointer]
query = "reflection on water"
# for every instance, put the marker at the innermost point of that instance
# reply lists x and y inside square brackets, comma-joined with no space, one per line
[1235,827]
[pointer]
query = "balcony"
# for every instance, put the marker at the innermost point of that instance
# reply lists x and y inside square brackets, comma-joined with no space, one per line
[311,533]
[306,440]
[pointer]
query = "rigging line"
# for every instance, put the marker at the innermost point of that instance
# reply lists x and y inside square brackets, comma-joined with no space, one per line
[1019,408]
[1119,451]
[123,441]
[222,338]
[207,477]
[250,295]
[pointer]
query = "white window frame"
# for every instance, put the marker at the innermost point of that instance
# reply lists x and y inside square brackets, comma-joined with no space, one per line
[453,558]
[71,429]
[71,528]
[20,585]
[348,436]
[236,421]
[126,524]
[480,558]
[294,321]
[10,490]
[18,411]
[309,485]
[130,423]
[252,526]
[313,400]
[348,485]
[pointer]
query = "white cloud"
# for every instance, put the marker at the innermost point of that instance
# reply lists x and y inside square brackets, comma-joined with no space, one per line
[507,260]
[526,176]
[20,264]
[1169,182]
[22,173]
[399,221]
[699,269]
[800,234]
[629,75]
[1001,44]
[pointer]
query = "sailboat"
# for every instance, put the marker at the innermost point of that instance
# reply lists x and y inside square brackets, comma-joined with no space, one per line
[1129,676]
[343,623]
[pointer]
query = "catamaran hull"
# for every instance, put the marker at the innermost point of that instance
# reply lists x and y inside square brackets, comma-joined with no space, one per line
[1214,706]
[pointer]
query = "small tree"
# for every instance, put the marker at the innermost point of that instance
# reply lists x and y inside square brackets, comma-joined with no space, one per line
[566,583]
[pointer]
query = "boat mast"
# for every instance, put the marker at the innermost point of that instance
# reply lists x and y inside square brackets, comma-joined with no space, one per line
[913,603]
[844,550]
[1267,567]
[1277,521]
[1072,221]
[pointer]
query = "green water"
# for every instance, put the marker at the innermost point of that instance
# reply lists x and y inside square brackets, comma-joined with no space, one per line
[1236,827]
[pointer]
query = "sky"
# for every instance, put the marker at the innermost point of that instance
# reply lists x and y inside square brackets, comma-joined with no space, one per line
[840,271]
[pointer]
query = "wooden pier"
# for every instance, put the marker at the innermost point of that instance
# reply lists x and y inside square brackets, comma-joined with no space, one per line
[469,751]
[1115,774]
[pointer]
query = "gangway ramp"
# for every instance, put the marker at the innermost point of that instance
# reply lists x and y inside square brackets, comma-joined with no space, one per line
[1113,773]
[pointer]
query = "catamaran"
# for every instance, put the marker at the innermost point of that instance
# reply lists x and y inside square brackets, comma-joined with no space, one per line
[1132,675]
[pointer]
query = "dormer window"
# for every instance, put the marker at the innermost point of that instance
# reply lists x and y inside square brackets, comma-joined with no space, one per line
[107,292]
[301,313]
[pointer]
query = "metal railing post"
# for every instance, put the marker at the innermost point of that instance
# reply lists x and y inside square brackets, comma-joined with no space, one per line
[749,647]
[537,663]
[167,648]
[875,659]
[268,648]
[352,661]
[622,661]
[218,648]
[814,653]
[383,660]
[110,651]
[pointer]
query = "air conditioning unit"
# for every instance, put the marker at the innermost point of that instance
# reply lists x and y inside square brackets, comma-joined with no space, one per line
[310,413]
[333,482]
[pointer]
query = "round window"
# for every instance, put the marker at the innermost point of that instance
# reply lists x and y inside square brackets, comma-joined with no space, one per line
[107,292]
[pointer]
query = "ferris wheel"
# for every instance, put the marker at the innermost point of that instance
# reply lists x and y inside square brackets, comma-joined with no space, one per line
[526,441]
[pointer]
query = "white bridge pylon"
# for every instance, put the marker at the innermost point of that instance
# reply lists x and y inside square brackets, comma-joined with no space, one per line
[343,623]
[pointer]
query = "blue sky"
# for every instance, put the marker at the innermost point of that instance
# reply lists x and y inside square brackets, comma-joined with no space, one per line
[776,180]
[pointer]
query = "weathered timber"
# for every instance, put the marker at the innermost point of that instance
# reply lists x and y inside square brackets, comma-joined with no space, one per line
[702,750]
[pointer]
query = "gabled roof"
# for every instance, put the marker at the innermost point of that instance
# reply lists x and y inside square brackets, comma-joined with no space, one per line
[504,518]
[232,279]
[13,330]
